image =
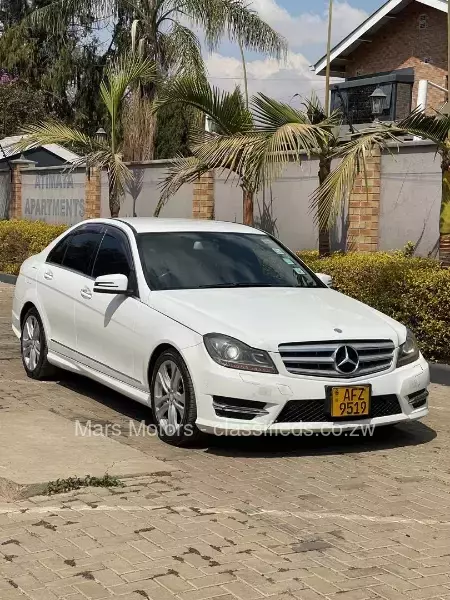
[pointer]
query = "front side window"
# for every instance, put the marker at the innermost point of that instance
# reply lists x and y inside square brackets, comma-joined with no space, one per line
[56,256]
[194,260]
[112,256]
[81,251]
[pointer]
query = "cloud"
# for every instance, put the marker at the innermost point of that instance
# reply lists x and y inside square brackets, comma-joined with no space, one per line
[302,31]
[266,76]
[309,28]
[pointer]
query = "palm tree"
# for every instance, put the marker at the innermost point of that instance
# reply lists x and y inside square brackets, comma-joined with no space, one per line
[163,30]
[249,143]
[437,129]
[97,152]
[331,194]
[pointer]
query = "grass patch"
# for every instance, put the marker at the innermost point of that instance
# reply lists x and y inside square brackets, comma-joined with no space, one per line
[60,486]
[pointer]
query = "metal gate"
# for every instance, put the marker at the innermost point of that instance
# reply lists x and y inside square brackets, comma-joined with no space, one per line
[5,193]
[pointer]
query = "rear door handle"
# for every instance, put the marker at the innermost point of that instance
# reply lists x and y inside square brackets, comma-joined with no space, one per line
[48,274]
[86,293]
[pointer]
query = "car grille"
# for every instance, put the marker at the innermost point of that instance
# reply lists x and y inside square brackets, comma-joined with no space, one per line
[318,359]
[310,411]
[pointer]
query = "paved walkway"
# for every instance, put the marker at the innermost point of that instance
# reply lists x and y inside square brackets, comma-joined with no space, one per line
[342,519]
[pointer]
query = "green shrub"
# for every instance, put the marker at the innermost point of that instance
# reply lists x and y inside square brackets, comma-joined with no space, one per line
[21,239]
[414,291]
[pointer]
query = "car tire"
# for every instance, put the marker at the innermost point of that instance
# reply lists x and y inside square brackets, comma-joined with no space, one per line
[33,347]
[173,400]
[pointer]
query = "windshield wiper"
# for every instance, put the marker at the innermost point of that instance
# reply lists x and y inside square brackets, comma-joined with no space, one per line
[238,285]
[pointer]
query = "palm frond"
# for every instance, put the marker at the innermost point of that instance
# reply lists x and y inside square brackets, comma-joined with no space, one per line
[431,127]
[328,199]
[59,14]
[181,170]
[235,19]
[270,114]
[119,174]
[183,51]
[235,153]
[226,109]
[120,75]
[52,132]
[314,109]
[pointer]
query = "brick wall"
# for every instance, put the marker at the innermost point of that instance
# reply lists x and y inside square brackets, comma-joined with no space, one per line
[400,44]
[364,207]
[93,192]
[203,200]
[15,207]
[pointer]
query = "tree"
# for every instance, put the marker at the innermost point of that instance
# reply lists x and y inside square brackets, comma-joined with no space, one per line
[162,28]
[250,143]
[63,66]
[96,152]
[336,187]
[19,105]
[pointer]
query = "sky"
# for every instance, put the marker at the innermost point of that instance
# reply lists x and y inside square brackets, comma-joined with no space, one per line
[304,25]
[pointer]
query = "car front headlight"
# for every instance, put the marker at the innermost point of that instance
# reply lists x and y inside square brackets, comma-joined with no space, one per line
[409,351]
[231,353]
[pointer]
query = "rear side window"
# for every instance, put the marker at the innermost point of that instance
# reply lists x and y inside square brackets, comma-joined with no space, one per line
[81,251]
[56,255]
[112,256]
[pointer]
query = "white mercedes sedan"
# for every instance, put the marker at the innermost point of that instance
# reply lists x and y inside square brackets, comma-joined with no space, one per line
[217,327]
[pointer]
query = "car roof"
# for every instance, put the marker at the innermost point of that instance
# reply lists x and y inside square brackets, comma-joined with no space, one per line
[155,224]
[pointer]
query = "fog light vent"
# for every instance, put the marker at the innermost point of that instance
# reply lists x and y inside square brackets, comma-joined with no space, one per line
[418,399]
[235,408]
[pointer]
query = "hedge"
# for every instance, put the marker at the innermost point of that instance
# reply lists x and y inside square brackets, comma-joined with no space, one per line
[21,239]
[414,291]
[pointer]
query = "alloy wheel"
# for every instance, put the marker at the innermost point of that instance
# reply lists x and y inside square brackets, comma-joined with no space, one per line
[31,342]
[169,396]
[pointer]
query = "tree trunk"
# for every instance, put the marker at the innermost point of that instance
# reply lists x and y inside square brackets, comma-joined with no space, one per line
[324,234]
[139,128]
[114,201]
[247,207]
[444,223]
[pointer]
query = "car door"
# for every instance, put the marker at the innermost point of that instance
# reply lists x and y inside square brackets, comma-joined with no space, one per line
[59,283]
[106,323]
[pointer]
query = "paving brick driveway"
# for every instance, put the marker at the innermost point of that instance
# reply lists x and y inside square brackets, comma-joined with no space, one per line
[343,519]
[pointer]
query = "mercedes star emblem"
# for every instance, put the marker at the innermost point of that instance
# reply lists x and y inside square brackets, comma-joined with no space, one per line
[346,360]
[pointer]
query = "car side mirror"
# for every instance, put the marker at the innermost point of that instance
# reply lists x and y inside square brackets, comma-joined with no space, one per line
[326,279]
[111,284]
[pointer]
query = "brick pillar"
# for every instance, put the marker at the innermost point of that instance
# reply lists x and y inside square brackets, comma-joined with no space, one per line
[92,193]
[364,207]
[15,205]
[203,200]
[444,250]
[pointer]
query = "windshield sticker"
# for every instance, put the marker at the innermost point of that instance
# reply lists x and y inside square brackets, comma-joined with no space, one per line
[299,271]
[288,261]
[278,251]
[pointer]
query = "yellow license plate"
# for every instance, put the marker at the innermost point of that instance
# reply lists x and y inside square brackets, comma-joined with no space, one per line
[350,401]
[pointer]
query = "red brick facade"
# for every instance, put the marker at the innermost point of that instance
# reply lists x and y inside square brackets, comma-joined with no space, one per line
[401,43]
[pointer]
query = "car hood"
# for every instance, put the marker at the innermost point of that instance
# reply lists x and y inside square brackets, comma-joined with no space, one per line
[266,317]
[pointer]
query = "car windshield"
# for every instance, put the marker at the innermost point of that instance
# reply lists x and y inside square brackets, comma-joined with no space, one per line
[207,259]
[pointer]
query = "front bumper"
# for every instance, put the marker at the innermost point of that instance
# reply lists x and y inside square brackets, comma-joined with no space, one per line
[275,391]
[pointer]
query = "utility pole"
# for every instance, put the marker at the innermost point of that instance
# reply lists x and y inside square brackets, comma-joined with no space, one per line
[327,79]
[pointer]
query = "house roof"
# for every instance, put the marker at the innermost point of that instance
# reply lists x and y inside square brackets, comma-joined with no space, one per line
[369,27]
[7,145]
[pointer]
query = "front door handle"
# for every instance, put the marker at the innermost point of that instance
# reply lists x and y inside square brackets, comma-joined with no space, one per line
[48,274]
[86,293]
